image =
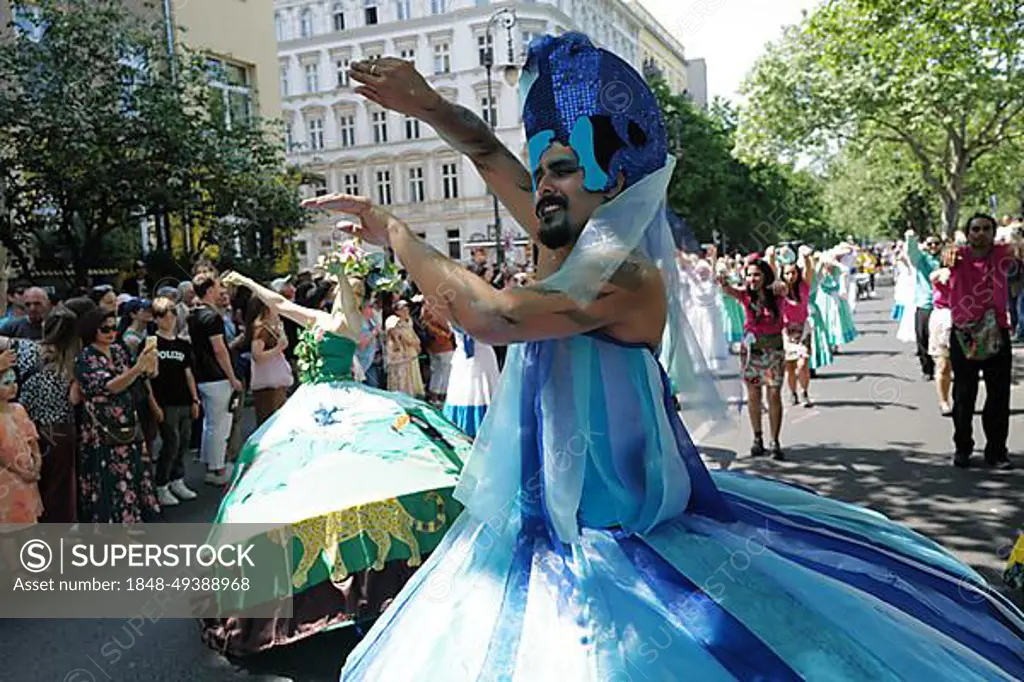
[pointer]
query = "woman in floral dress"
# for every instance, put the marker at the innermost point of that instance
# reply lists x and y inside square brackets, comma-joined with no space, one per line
[403,352]
[115,485]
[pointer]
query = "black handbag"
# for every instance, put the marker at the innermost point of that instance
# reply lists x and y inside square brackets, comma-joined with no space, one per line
[114,434]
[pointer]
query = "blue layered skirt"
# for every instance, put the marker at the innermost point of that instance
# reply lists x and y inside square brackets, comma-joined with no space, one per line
[754,579]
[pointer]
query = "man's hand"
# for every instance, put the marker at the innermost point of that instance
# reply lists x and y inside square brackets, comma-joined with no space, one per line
[373,228]
[194,411]
[394,84]
[236,385]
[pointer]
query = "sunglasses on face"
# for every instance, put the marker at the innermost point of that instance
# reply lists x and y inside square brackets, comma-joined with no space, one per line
[107,329]
[166,313]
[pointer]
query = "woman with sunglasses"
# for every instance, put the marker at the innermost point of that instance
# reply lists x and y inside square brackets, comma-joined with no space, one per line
[115,484]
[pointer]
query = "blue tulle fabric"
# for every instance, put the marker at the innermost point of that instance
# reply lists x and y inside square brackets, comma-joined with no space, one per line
[640,565]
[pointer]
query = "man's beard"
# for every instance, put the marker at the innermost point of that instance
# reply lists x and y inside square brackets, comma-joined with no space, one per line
[556,231]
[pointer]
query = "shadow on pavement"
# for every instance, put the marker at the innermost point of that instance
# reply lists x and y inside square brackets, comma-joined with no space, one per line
[967,511]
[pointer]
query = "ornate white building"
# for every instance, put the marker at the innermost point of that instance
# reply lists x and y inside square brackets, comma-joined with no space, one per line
[359,148]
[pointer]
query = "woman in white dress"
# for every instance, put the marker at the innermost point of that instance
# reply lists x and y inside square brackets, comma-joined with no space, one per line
[703,303]
[471,383]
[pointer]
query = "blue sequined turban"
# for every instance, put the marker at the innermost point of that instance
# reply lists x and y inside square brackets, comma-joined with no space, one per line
[593,101]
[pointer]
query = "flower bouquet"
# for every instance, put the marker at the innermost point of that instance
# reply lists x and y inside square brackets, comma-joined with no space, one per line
[349,260]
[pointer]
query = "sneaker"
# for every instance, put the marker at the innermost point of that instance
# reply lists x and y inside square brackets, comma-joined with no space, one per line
[962,461]
[182,491]
[165,497]
[777,453]
[217,479]
[757,449]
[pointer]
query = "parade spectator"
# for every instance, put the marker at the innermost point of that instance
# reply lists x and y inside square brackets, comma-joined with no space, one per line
[925,261]
[981,341]
[271,373]
[104,297]
[215,376]
[285,287]
[37,304]
[175,391]
[45,372]
[115,482]
[232,306]
[369,354]
[136,316]
[440,346]
[185,302]
[20,459]
[139,284]
[403,351]
[764,349]
[15,307]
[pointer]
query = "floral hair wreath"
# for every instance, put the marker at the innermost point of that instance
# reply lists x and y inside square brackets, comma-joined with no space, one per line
[375,269]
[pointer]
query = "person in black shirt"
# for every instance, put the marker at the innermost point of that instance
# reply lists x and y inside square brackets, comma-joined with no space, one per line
[214,375]
[175,390]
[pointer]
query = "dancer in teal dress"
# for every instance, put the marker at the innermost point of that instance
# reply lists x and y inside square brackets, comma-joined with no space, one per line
[835,311]
[595,545]
[358,479]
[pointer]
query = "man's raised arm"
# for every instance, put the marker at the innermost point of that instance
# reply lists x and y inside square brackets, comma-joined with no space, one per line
[395,84]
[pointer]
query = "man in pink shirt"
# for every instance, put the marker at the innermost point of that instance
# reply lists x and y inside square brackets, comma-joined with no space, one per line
[980,341]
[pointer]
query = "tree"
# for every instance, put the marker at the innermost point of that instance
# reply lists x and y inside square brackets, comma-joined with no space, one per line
[748,205]
[96,137]
[942,79]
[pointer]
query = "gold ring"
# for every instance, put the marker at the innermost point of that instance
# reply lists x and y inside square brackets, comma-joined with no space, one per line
[373,69]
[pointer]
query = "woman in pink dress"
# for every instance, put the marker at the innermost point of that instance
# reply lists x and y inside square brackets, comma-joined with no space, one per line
[20,459]
[763,348]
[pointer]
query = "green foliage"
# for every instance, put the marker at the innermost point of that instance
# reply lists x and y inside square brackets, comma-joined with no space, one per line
[96,136]
[751,204]
[941,79]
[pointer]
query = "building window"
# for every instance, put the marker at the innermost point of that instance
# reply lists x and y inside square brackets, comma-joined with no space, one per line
[350,183]
[408,55]
[279,29]
[315,126]
[528,37]
[412,128]
[371,12]
[380,127]
[417,195]
[301,250]
[485,48]
[339,17]
[438,6]
[306,23]
[284,81]
[455,244]
[442,58]
[404,8]
[489,111]
[450,181]
[312,72]
[342,67]
[231,90]
[384,187]
[289,136]
[347,130]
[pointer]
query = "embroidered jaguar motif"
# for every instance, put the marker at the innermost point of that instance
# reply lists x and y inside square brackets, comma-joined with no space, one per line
[380,521]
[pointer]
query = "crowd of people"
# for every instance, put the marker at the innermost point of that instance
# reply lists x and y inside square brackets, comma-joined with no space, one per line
[107,392]
[959,301]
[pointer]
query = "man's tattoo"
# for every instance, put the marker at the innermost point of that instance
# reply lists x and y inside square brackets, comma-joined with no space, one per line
[630,275]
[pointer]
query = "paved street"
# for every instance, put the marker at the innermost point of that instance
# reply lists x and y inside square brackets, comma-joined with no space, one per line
[875,437]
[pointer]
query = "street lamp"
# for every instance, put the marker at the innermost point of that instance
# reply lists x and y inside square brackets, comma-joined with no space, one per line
[507,18]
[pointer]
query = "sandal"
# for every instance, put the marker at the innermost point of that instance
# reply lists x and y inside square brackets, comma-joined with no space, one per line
[757,449]
[777,453]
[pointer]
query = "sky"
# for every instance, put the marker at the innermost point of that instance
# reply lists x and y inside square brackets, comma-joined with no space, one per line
[728,34]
